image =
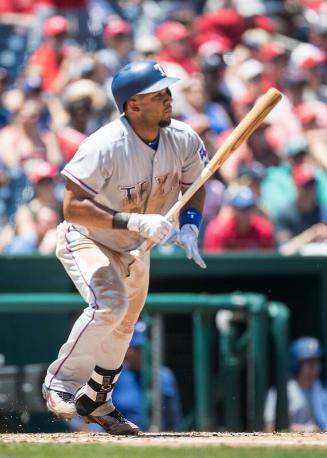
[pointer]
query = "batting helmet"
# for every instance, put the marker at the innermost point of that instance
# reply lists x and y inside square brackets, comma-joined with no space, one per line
[139,335]
[137,78]
[304,348]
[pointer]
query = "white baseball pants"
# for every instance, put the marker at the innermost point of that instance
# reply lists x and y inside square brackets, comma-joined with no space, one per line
[115,295]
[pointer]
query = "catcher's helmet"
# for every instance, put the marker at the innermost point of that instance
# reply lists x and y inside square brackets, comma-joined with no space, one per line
[304,348]
[137,78]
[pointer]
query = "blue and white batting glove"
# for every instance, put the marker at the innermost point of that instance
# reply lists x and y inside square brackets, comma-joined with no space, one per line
[188,240]
[171,237]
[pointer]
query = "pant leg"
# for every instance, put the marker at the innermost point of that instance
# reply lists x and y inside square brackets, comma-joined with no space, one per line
[99,278]
[116,342]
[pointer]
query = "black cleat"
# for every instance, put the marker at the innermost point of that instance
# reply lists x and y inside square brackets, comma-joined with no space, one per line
[114,423]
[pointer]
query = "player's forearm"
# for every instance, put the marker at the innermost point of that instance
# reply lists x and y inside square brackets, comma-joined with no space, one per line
[86,212]
[197,200]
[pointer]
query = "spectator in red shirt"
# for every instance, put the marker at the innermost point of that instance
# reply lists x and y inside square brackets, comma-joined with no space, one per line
[240,228]
[117,51]
[76,11]
[274,56]
[50,60]
[177,46]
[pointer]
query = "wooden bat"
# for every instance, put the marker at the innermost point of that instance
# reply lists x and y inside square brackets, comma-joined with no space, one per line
[242,131]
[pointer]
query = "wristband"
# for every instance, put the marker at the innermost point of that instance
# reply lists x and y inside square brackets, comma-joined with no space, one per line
[120,220]
[190,216]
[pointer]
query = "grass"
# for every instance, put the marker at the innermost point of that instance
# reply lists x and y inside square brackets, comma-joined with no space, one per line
[108,451]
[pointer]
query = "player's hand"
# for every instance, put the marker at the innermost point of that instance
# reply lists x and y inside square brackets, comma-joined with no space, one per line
[154,227]
[172,237]
[188,239]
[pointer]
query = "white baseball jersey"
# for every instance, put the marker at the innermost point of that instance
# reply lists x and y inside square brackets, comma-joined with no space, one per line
[125,174]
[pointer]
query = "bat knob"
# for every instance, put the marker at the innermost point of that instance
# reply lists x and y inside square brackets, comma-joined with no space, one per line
[136,254]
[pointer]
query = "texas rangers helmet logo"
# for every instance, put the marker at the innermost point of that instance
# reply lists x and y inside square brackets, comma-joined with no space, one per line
[159,69]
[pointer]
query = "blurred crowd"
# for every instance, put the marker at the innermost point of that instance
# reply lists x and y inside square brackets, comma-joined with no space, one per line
[270,195]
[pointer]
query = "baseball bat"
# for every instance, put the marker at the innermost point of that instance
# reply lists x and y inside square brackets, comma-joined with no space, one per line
[240,133]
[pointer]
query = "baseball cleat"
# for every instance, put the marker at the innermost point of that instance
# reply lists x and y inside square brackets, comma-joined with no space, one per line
[114,423]
[59,403]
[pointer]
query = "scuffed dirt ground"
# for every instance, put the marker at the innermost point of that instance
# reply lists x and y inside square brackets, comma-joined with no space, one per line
[177,439]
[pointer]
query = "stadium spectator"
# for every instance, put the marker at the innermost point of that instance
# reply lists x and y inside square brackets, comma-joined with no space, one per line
[251,74]
[317,24]
[17,12]
[213,67]
[251,175]
[306,212]
[278,187]
[118,46]
[310,61]
[13,187]
[84,101]
[44,181]
[240,228]
[147,47]
[53,58]
[313,118]
[34,227]
[307,396]
[31,235]
[75,11]
[142,15]
[177,47]
[22,142]
[199,104]
[274,56]
[4,113]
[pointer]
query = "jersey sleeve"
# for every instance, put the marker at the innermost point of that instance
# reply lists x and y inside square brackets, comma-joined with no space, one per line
[88,168]
[195,159]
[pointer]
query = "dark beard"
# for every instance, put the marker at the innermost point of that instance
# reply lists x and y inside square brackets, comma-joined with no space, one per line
[163,123]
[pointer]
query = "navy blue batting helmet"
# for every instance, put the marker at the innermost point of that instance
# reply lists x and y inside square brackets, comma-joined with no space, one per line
[304,348]
[139,335]
[137,78]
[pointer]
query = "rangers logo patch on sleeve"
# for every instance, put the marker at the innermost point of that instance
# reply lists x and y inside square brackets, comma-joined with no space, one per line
[203,155]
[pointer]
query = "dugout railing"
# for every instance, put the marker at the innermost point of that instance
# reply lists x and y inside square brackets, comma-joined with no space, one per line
[243,346]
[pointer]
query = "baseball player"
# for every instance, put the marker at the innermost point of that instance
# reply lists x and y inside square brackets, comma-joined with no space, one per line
[120,183]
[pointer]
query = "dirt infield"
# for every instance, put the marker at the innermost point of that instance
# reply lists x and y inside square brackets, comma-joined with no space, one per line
[177,439]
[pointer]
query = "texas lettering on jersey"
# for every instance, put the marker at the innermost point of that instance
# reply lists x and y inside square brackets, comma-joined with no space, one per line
[137,194]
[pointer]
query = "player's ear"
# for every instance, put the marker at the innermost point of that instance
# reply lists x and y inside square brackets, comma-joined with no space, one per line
[133,105]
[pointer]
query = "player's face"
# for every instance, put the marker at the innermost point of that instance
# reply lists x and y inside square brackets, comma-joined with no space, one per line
[156,107]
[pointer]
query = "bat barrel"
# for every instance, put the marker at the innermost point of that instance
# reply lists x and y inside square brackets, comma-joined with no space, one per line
[246,127]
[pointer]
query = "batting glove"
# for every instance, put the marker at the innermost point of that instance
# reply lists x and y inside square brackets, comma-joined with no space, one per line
[154,227]
[172,237]
[188,239]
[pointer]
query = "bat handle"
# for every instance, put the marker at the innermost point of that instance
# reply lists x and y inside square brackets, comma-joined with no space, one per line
[139,252]
[148,244]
